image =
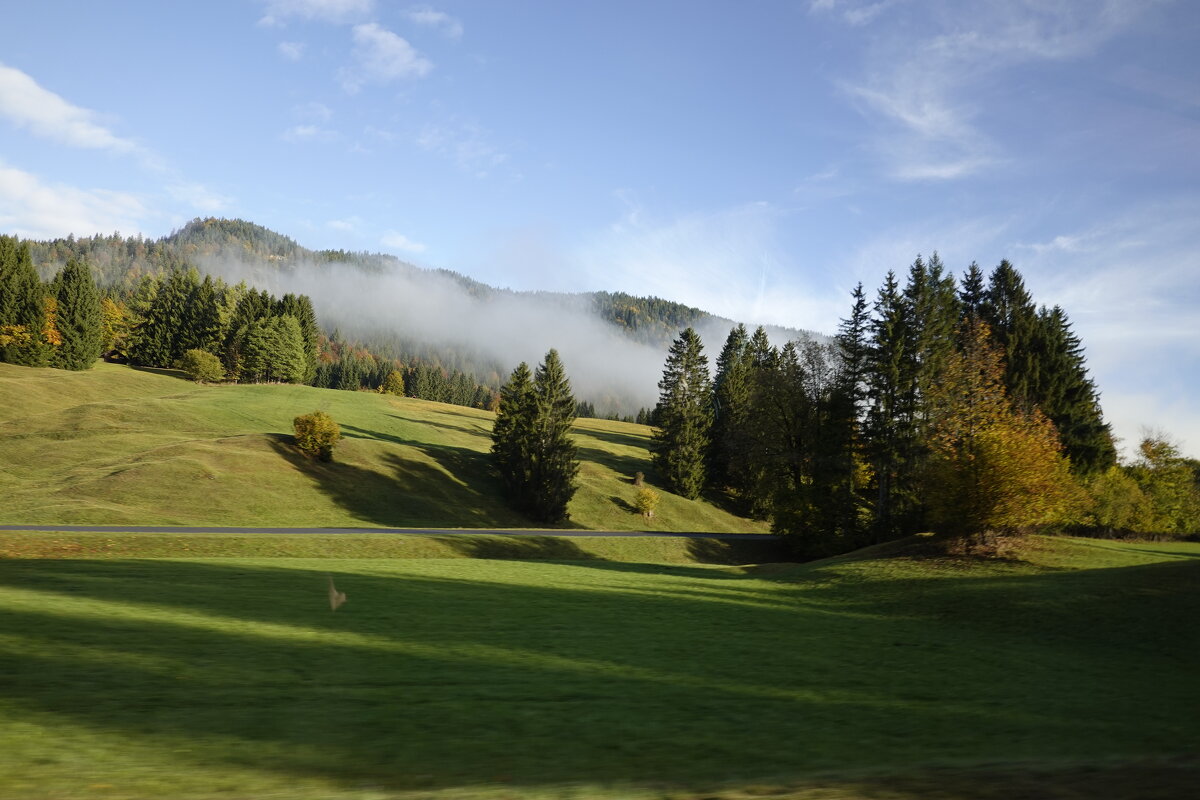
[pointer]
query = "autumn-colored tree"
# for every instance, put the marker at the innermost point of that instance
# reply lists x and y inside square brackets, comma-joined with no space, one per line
[50,332]
[393,384]
[115,324]
[316,434]
[992,467]
[646,502]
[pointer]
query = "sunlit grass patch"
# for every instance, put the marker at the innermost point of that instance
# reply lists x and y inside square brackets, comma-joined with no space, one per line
[456,677]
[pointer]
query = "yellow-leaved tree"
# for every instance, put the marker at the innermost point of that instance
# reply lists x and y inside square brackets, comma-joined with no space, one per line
[994,468]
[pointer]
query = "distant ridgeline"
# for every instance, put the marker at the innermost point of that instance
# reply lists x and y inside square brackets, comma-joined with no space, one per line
[230,274]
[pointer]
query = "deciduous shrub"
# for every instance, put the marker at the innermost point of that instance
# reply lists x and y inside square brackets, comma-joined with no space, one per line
[646,501]
[202,366]
[316,434]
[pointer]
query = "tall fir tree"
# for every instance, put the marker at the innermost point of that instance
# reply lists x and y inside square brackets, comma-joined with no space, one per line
[731,404]
[555,465]
[684,415]
[22,307]
[77,317]
[531,442]
[1067,395]
[513,433]
[891,432]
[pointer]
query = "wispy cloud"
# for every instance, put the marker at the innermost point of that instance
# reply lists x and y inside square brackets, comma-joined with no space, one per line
[35,209]
[398,241]
[29,105]
[199,197]
[727,262]
[308,133]
[922,82]
[277,12]
[313,111]
[427,16]
[381,56]
[347,225]
[292,51]
[466,143]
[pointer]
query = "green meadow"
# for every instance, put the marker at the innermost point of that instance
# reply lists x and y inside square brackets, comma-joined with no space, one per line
[1066,672]
[120,446]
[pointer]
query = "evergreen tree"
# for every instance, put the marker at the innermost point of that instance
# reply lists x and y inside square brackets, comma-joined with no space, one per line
[513,436]
[78,317]
[1011,316]
[272,350]
[22,307]
[731,404]
[554,453]
[1063,391]
[684,417]
[891,433]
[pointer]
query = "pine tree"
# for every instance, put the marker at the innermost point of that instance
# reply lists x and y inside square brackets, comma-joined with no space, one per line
[78,317]
[684,417]
[1011,316]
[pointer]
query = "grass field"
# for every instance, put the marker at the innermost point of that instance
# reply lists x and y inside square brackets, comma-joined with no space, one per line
[1068,673]
[118,446]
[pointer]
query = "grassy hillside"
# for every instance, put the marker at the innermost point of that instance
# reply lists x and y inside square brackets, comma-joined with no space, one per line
[120,446]
[1067,673]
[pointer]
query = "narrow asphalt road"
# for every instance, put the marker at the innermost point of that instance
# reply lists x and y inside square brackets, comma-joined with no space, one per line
[401,531]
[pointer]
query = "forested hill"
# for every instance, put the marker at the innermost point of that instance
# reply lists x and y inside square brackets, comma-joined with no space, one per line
[236,249]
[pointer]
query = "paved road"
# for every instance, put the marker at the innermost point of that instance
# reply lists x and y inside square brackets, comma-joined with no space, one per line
[402,531]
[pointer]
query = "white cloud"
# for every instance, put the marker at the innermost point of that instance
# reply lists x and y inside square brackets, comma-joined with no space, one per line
[925,88]
[399,241]
[381,57]
[348,225]
[33,209]
[29,105]
[308,133]
[199,197]
[279,11]
[425,15]
[727,262]
[466,143]
[313,111]
[292,51]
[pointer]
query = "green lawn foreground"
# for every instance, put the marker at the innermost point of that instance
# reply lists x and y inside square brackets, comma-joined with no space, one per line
[121,446]
[1070,673]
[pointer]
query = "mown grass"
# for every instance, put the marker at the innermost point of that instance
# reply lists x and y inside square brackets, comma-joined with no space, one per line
[121,446]
[1067,673]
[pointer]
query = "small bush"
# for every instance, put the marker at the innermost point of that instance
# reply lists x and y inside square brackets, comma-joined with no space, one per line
[646,501]
[316,434]
[639,478]
[201,366]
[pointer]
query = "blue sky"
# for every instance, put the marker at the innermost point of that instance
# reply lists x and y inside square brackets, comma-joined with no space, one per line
[756,159]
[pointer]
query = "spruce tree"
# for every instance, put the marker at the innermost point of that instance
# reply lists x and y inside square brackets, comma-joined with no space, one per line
[684,415]
[22,307]
[78,317]
[554,453]
[513,434]
[1067,395]
[731,403]
[891,435]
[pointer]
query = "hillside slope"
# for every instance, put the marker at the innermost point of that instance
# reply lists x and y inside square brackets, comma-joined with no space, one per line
[121,446]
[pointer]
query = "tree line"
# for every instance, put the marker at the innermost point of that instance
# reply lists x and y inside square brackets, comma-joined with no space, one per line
[960,406]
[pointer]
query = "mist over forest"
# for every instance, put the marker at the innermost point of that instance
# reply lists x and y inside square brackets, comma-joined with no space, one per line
[613,345]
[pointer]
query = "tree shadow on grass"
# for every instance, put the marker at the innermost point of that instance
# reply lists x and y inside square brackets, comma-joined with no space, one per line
[623,439]
[543,548]
[427,682]
[456,490]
